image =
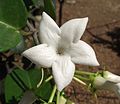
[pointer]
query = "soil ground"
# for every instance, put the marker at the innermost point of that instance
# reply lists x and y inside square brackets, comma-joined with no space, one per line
[103,34]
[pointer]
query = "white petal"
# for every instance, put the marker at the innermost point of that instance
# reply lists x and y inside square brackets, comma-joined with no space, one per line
[99,82]
[49,31]
[116,88]
[102,83]
[63,71]
[111,77]
[82,53]
[73,29]
[41,55]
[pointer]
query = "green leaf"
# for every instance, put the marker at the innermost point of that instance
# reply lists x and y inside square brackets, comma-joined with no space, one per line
[28,4]
[12,90]
[13,15]
[20,47]
[44,91]
[9,37]
[47,6]
[35,76]
[50,8]
[13,12]
[23,75]
[38,2]
[29,78]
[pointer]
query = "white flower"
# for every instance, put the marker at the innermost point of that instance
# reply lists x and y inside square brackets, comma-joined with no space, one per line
[109,81]
[61,48]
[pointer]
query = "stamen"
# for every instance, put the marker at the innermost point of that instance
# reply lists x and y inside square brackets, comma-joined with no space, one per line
[61,50]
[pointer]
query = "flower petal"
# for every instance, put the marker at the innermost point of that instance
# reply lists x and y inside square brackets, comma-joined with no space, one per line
[41,55]
[73,29]
[63,71]
[102,83]
[111,77]
[82,53]
[116,88]
[49,31]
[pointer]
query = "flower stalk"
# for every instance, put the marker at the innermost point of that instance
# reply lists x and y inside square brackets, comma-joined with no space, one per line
[38,85]
[49,78]
[82,78]
[79,81]
[83,72]
[52,94]
[58,97]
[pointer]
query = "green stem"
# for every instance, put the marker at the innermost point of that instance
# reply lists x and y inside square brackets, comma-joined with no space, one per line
[52,94]
[78,80]
[43,102]
[38,85]
[83,72]
[82,78]
[49,78]
[58,97]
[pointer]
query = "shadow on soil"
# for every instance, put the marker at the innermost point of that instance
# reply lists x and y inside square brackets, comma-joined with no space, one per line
[114,43]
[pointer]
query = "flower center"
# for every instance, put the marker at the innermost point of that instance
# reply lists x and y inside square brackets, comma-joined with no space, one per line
[60,50]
